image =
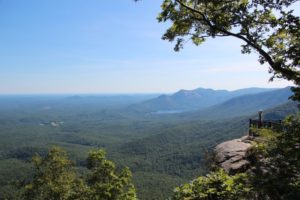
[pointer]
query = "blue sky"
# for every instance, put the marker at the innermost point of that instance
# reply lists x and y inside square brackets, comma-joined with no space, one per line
[115,46]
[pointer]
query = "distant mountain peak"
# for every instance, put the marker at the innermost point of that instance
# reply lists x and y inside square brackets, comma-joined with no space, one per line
[198,98]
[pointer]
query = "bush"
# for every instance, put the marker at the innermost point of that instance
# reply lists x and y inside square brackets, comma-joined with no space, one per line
[214,186]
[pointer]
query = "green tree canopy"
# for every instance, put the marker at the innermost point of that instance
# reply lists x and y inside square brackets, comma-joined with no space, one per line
[267,27]
[216,185]
[277,175]
[274,172]
[104,182]
[55,178]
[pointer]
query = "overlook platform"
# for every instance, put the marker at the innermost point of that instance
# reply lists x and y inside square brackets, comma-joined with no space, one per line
[260,123]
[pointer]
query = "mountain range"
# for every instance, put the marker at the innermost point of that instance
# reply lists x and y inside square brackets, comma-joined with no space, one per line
[214,104]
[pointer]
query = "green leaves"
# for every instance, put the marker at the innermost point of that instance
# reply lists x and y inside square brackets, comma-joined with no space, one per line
[55,178]
[267,27]
[216,185]
[104,182]
[197,41]
[276,172]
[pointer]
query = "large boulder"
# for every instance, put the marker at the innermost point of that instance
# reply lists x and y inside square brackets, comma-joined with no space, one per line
[231,155]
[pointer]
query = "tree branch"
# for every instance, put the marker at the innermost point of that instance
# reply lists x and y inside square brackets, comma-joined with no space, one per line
[276,66]
[198,12]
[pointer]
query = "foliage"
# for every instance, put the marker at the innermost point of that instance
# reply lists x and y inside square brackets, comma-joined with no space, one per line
[267,27]
[56,178]
[162,152]
[168,152]
[277,162]
[103,181]
[11,172]
[216,185]
[275,172]
[282,111]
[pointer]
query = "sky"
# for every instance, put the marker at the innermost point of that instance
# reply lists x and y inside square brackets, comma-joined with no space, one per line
[115,46]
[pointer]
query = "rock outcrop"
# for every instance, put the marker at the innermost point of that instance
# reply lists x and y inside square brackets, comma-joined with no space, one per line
[231,155]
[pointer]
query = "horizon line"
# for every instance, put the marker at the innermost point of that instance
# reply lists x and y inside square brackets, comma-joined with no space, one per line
[122,93]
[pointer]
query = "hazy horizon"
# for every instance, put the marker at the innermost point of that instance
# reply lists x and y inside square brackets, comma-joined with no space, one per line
[127,93]
[75,46]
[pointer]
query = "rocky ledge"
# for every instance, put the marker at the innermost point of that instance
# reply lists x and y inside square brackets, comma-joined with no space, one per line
[231,155]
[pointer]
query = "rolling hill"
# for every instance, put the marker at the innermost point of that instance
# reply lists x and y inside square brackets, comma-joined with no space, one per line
[243,105]
[187,100]
[180,151]
[162,151]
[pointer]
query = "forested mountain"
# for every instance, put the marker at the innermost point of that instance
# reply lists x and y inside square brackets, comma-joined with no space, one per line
[281,111]
[8,102]
[185,100]
[180,151]
[243,105]
[162,151]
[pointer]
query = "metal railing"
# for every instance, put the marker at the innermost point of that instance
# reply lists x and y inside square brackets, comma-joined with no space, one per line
[260,123]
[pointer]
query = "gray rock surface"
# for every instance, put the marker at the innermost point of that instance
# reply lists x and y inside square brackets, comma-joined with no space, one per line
[231,155]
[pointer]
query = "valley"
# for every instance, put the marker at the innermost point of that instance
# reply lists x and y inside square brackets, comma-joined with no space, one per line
[163,148]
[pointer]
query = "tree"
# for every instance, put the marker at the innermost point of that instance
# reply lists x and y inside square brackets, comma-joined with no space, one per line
[216,185]
[274,172]
[55,178]
[277,175]
[104,182]
[267,27]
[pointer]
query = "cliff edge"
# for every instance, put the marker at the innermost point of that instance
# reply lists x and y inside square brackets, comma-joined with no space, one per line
[232,155]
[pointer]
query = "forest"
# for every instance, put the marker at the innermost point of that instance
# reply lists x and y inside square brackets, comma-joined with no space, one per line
[145,146]
[161,151]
